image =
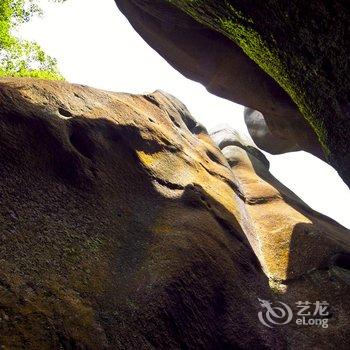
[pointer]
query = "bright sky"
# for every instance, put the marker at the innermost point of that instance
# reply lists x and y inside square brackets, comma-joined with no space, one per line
[95,45]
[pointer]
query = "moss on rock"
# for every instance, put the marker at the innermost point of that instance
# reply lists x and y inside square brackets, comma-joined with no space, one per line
[302,47]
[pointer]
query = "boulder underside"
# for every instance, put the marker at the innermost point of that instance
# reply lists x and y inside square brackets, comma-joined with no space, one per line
[289,61]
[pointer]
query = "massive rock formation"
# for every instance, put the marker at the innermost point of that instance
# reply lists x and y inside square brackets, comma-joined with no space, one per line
[288,61]
[123,226]
[282,228]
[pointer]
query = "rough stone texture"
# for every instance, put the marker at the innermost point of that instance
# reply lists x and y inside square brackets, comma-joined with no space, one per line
[123,226]
[280,223]
[297,60]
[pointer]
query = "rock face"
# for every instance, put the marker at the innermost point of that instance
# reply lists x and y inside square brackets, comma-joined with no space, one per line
[264,138]
[282,228]
[123,226]
[292,68]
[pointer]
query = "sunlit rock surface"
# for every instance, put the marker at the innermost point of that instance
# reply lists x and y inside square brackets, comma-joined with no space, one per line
[123,226]
[288,61]
[289,237]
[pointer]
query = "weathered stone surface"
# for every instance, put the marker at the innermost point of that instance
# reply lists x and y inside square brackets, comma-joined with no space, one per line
[280,223]
[264,138]
[123,226]
[293,67]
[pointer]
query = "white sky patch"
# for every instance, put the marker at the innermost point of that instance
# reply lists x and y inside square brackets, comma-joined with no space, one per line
[95,45]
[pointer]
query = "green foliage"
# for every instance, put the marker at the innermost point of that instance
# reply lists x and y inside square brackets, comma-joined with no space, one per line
[22,58]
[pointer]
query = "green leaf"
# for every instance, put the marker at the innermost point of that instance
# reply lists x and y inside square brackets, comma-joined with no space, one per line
[22,58]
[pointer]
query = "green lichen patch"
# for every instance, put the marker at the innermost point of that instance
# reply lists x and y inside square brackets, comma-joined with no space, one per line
[94,244]
[302,47]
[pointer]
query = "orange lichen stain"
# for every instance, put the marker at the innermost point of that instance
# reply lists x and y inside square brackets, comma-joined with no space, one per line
[162,229]
[146,158]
